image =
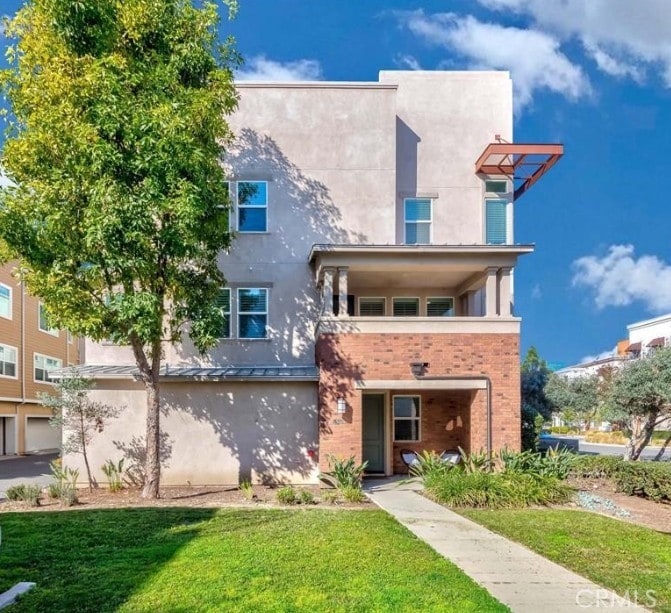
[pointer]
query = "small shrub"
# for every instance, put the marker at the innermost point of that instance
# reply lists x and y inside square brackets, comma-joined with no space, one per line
[555,463]
[247,489]
[114,474]
[306,497]
[429,464]
[596,466]
[612,438]
[344,473]
[25,493]
[68,496]
[352,494]
[330,497]
[54,490]
[475,462]
[563,430]
[644,479]
[659,436]
[498,490]
[287,495]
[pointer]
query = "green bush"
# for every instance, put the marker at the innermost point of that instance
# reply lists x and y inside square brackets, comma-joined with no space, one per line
[352,494]
[25,493]
[68,496]
[497,490]
[287,495]
[562,430]
[645,479]
[659,436]
[429,463]
[554,463]
[329,496]
[307,497]
[596,466]
[247,489]
[114,474]
[344,473]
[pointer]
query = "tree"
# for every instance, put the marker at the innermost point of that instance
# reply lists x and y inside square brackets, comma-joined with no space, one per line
[120,206]
[577,397]
[78,415]
[640,398]
[534,374]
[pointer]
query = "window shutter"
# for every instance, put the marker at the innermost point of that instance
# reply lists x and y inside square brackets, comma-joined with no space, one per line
[371,307]
[406,307]
[496,222]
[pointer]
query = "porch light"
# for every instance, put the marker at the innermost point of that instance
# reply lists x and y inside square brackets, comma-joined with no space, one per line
[341,406]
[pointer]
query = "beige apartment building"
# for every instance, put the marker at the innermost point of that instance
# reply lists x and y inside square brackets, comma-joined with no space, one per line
[29,349]
[369,291]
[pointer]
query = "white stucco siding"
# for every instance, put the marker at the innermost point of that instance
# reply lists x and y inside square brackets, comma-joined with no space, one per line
[215,433]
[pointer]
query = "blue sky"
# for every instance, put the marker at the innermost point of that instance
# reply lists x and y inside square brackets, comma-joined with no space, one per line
[595,76]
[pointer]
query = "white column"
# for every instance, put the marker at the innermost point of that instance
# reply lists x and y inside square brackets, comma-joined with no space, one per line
[327,291]
[342,291]
[491,292]
[505,295]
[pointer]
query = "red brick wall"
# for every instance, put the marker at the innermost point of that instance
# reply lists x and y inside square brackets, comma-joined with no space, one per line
[346,358]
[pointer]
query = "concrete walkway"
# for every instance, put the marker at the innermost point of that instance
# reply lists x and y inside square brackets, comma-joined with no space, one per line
[518,577]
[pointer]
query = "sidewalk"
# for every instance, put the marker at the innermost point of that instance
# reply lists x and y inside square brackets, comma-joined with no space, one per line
[518,577]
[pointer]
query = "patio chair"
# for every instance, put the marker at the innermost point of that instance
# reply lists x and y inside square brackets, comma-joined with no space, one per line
[409,457]
[450,457]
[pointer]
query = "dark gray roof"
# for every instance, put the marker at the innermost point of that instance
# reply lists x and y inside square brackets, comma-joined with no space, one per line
[236,373]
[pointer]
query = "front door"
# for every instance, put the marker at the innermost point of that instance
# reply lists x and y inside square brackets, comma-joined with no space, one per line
[373,432]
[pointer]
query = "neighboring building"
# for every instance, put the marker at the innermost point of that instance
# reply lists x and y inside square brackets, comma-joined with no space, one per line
[370,295]
[28,350]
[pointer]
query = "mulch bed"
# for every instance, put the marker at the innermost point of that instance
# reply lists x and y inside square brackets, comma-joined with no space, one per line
[204,497]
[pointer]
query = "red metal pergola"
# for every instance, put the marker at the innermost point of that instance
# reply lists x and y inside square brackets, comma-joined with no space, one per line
[524,163]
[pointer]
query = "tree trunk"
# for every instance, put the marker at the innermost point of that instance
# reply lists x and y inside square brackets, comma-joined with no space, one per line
[84,453]
[153,461]
[641,429]
[662,449]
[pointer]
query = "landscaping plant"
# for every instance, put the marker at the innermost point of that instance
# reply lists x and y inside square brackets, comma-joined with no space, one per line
[287,495]
[429,464]
[344,473]
[114,474]
[65,484]
[25,493]
[247,489]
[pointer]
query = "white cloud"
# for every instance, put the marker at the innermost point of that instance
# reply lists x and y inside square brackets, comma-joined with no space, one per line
[619,278]
[536,292]
[632,35]
[408,61]
[533,58]
[260,68]
[599,356]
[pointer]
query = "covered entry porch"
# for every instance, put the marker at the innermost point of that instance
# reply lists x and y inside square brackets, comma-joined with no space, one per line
[420,416]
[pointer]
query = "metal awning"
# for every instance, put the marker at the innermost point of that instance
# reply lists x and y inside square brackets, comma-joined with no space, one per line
[223,373]
[657,342]
[634,347]
[524,163]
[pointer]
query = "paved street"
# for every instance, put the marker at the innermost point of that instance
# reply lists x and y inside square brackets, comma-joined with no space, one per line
[581,446]
[33,469]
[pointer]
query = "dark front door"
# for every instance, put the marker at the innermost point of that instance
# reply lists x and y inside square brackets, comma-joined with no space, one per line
[373,432]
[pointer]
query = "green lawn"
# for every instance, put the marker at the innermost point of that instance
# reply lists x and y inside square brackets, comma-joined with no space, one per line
[614,554]
[170,559]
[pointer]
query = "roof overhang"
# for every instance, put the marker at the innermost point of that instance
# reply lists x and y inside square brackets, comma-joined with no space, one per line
[524,163]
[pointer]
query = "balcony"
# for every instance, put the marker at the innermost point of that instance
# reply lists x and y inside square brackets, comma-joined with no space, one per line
[416,288]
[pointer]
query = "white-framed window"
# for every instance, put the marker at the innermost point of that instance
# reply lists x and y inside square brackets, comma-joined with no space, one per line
[69,336]
[372,307]
[43,364]
[405,307]
[43,323]
[224,305]
[496,186]
[8,361]
[252,199]
[5,301]
[252,313]
[407,418]
[496,221]
[441,306]
[418,214]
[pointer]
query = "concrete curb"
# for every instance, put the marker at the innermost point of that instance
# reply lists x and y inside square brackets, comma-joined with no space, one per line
[9,597]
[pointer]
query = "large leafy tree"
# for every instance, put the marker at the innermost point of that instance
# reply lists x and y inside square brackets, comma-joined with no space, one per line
[639,397]
[117,126]
[535,408]
[578,396]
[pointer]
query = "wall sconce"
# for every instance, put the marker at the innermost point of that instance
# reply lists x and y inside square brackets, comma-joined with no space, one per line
[341,406]
[418,368]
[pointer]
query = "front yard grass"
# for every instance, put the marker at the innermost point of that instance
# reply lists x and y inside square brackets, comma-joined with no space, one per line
[617,555]
[175,559]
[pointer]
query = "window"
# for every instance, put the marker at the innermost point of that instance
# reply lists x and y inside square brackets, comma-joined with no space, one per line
[406,418]
[405,307]
[372,307]
[43,364]
[5,301]
[7,361]
[418,221]
[69,336]
[224,304]
[440,307]
[496,187]
[43,323]
[252,313]
[495,213]
[252,206]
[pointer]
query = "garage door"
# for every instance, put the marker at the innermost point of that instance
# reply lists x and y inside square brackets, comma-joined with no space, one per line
[40,435]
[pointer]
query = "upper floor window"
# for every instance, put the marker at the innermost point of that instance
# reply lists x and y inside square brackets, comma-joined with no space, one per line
[224,304]
[44,323]
[405,307]
[43,364]
[252,206]
[496,222]
[7,361]
[496,187]
[440,307]
[5,301]
[372,307]
[418,215]
[252,313]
